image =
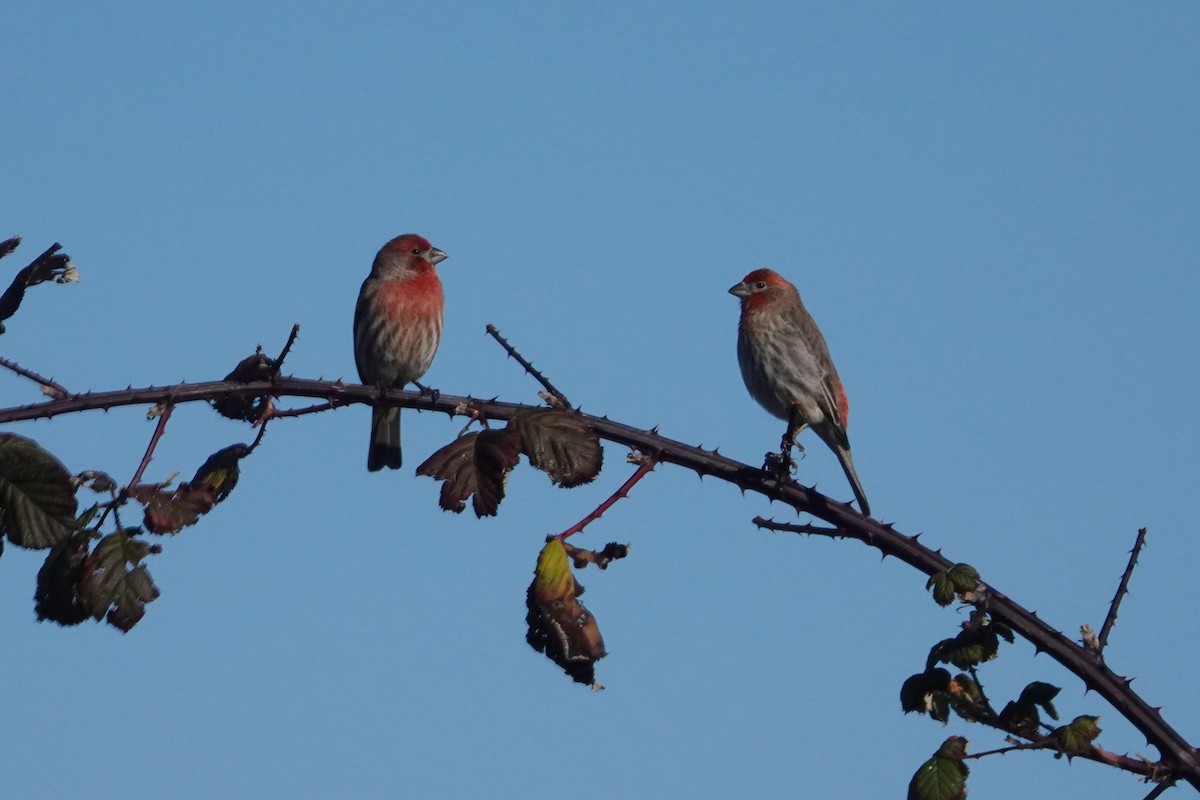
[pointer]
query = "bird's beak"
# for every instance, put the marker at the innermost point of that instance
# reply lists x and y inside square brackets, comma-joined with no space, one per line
[436,256]
[740,289]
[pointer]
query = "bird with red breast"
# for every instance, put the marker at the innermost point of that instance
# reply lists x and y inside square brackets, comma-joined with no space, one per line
[397,328]
[787,368]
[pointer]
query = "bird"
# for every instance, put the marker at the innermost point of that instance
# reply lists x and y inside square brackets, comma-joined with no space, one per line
[787,368]
[397,328]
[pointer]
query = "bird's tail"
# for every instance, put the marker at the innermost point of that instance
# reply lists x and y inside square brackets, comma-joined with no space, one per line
[843,454]
[385,439]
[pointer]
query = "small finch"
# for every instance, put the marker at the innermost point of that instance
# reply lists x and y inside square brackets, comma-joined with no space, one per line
[397,327]
[787,369]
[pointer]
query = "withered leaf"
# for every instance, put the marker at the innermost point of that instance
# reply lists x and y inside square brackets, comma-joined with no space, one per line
[37,496]
[170,512]
[257,367]
[114,584]
[220,471]
[558,624]
[57,594]
[49,265]
[601,558]
[916,694]
[474,465]
[559,443]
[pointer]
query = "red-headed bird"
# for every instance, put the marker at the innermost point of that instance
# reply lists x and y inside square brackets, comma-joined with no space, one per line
[787,369]
[397,327]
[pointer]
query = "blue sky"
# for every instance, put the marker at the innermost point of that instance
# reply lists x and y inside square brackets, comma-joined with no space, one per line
[990,209]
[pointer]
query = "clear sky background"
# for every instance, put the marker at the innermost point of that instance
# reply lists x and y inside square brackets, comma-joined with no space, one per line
[991,210]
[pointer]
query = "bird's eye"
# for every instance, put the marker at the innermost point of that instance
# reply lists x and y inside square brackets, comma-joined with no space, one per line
[416,251]
[760,286]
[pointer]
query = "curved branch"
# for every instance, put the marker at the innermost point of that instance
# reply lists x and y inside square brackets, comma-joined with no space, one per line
[1177,753]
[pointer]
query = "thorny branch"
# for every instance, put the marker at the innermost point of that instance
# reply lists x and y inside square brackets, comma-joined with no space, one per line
[645,466]
[49,386]
[158,432]
[1122,590]
[530,368]
[1179,757]
[163,415]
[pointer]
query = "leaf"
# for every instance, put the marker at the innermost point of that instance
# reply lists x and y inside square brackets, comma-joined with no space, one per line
[57,595]
[601,558]
[1077,737]
[1021,717]
[964,577]
[474,465]
[37,497]
[220,471]
[966,698]
[50,265]
[558,624]
[171,512]
[251,369]
[966,650]
[958,581]
[559,443]
[916,693]
[114,584]
[1042,694]
[943,777]
[943,588]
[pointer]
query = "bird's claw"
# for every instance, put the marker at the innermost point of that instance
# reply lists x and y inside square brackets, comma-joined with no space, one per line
[779,465]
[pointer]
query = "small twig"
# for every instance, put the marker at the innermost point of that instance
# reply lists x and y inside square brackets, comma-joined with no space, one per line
[262,431]
[158,432]
[123,495]
[286,349]
[987,704]
[473,415]
[300,412]
[1159,789]
[645,466]
[1040,744]
[49,387]
[1122,590]
[787,527]
[532,370]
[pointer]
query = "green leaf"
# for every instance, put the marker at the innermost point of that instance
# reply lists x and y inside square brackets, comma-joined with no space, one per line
[943,589]
[37,498]
[964,577]
[968,649]
[1077,737]
[943,777]
[560,443]
[474,465]
[114,582]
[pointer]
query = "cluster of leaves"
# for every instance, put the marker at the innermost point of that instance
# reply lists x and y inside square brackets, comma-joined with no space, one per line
[558,624]
[251,369]
[88,573]
[476,465]
[50,265]
[936,693]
